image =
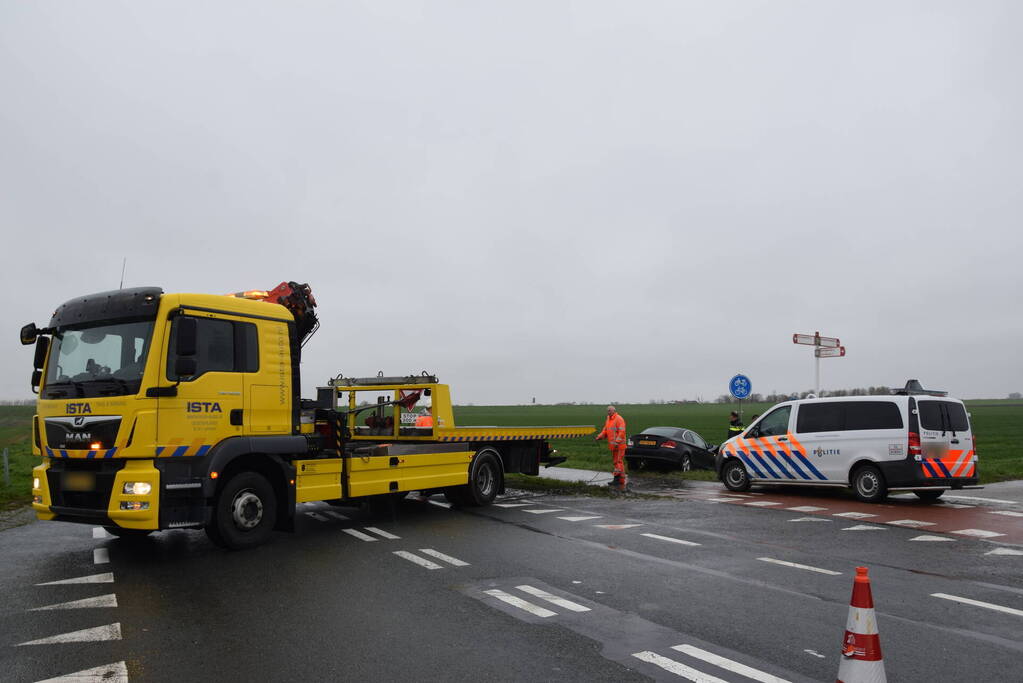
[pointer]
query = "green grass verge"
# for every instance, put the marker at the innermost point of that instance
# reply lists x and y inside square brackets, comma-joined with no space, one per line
[15,436]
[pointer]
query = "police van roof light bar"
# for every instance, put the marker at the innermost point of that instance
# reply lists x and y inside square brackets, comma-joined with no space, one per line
[914,388]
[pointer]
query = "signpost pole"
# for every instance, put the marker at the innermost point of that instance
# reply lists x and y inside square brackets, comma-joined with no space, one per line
[817,375]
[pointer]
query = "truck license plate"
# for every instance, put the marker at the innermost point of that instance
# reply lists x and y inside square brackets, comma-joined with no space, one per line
[79,481]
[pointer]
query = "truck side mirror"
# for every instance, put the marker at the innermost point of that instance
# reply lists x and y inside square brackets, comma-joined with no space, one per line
[185,367]
[37,378]
[187,335]
[29,333]
[42,348]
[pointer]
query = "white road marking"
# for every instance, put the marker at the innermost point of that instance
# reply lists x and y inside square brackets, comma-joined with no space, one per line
[863,527]
[728,664]
[100,532]
[854,515]
[1007,513]
[359,535]
[380,532]
[553,599]
[579,519]
[439,503]
[723,500]
[521,604]
[542,512]
[95,578]
[616,527]
[811,519]
[978,603]
[1005,551]
[762,503]
[956,506]
[335,515]
[986,500]
[800,566]
[932,538]
[911,523]
[807,508]
[415,559]
[512,505]
[441,556]
[677,668]
[88,635]
[978,533]
[108,673]
[100,556]
[317,516]
[814,653]
[109,600]
[669,539]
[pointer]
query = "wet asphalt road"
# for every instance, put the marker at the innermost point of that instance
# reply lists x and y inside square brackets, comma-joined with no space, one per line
[606,603]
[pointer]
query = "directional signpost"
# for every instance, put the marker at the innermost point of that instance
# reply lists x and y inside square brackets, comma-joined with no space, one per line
[823,347]
[740,387]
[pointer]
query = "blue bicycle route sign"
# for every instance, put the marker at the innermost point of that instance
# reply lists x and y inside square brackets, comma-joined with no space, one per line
[740,386]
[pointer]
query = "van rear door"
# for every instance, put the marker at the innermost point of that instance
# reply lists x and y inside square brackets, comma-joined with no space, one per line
[946,439]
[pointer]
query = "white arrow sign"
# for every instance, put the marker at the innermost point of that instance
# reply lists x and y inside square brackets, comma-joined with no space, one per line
[822,352]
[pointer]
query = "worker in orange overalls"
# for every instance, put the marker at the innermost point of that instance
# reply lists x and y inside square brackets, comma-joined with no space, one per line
[614,432]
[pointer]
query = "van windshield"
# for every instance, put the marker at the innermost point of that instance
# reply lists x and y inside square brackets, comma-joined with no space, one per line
[943,416]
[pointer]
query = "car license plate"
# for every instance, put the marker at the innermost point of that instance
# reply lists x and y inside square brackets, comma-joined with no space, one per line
[647,443]
[79,481]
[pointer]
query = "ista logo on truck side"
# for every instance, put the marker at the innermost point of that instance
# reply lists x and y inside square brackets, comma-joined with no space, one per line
[202,407]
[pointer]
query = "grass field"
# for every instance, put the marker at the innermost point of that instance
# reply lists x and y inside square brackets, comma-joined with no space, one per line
[998,426]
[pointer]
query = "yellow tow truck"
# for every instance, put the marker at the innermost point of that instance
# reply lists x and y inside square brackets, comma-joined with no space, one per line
[183,411]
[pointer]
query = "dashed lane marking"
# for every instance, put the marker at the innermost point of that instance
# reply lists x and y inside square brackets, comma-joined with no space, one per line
[723,500]
[359,535]
[100,556]
[799,566]
[380,532]
[762,503]
[807,508]
[911,523]
[1007,513]
[977,533]
[88,635]
[669,539]
[108,673]
[854,515]
[100,532]
[579,519]
[441,556]
[415,559]
[978,603]
[554,599]
[811,519]
[95,578]
[512,505]
[109,600]
[677,668]
[1005,551]
[956,506]
[515,601]
[728,664]
[932,538]
[542,512]
[863,527]
[617,527]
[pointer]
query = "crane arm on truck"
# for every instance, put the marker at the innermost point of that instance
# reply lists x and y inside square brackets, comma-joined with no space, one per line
[298,299]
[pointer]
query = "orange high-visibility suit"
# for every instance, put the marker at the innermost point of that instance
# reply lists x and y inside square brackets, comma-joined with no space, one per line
[614,432]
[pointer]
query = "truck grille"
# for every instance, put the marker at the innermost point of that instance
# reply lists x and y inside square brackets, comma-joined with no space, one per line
[82,484]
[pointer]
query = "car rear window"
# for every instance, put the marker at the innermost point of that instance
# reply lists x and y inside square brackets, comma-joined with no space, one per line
[669,432]
[838,416]
[943,416]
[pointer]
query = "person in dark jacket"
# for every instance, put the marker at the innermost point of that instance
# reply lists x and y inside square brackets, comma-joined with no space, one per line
[734,425]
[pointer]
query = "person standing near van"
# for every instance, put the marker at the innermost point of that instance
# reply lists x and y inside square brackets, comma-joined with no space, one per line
[734,425]
[614,432]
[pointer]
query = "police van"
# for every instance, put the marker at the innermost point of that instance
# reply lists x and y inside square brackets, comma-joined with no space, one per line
[914,440]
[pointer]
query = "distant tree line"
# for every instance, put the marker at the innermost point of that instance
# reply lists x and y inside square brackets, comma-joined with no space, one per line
[777,398]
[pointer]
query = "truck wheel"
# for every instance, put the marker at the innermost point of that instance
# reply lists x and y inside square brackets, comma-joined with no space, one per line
[868,484]
[244,512]
[128,534]
[484,481]
[929,496]
[734,476]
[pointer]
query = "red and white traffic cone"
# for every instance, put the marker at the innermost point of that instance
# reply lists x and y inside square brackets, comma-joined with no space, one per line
[861,647]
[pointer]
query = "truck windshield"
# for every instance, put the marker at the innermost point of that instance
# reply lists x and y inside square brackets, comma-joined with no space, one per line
[102,360]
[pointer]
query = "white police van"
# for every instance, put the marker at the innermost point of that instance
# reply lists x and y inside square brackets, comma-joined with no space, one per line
[914,440]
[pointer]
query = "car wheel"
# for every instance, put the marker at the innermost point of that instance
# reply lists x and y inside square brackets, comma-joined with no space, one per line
[245,512]
[686,463]
[735,477]
[929,496]
[869,485]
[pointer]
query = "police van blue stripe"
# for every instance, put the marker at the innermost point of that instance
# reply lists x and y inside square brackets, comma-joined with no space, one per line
[763,463]
[792,463]
[781,468]
[809,465]
[944,469]
[929,468]
[749,463]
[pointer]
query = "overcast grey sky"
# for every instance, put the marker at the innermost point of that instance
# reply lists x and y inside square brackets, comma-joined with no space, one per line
[568,200]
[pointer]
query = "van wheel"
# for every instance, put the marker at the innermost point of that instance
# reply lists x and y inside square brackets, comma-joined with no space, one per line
[735,476]
[868,484]
[244,513]
[929,496]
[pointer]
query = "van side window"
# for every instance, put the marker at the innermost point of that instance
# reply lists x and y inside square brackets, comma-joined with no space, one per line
[872,415]
[820,417]
[775,423]
[221,346]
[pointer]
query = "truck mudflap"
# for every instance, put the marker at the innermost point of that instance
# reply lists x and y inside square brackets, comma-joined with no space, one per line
[914,475]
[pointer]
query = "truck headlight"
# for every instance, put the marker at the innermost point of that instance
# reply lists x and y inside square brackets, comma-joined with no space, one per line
[137,488]
[35,482]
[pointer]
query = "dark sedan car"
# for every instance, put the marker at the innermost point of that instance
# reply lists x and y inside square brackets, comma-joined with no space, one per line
[671,448]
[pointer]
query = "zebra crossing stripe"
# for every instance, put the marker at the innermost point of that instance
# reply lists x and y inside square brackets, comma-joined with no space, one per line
[553,599]
[359,535]
[728,664]
[677,668]
[441,556]
[415,559]
[514,601]
[380,532]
